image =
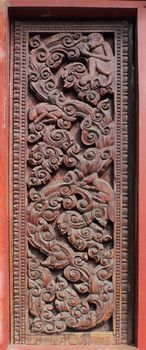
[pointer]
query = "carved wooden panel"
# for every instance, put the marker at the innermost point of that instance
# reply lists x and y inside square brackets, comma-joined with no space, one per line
[69,237]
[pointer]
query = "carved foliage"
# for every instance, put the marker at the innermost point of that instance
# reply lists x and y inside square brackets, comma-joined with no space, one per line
[70,182]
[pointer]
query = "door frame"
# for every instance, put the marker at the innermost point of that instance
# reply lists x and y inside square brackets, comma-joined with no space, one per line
[42,8]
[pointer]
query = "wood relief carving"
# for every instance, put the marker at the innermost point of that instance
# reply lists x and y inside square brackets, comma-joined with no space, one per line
[70,193]
[70,182]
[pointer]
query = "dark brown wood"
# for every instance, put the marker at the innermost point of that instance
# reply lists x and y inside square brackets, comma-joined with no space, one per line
[70,146]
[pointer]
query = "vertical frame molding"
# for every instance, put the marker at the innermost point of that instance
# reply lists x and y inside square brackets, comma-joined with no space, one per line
[141,56]
[4,215]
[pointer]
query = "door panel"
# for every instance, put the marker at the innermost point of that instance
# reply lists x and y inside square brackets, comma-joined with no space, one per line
[69,241]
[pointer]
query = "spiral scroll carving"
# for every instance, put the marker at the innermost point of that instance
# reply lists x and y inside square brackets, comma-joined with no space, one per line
[71,136]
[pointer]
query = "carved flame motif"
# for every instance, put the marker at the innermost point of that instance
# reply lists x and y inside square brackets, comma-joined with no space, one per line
[70,182]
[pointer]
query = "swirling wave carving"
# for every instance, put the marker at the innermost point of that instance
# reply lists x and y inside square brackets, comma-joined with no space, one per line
[71,138]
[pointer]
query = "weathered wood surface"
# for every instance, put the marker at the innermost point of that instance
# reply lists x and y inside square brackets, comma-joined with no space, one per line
[71,211]
[70,227]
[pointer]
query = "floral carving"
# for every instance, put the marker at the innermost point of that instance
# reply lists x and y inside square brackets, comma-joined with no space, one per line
[70,182]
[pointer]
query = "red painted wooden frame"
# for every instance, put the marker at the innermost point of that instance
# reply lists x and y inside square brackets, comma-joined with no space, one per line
[108,8]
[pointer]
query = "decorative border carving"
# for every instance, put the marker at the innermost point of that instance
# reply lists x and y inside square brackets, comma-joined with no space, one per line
[124,320]
[16,183]
[20,45]
[23,186]
[118,188]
